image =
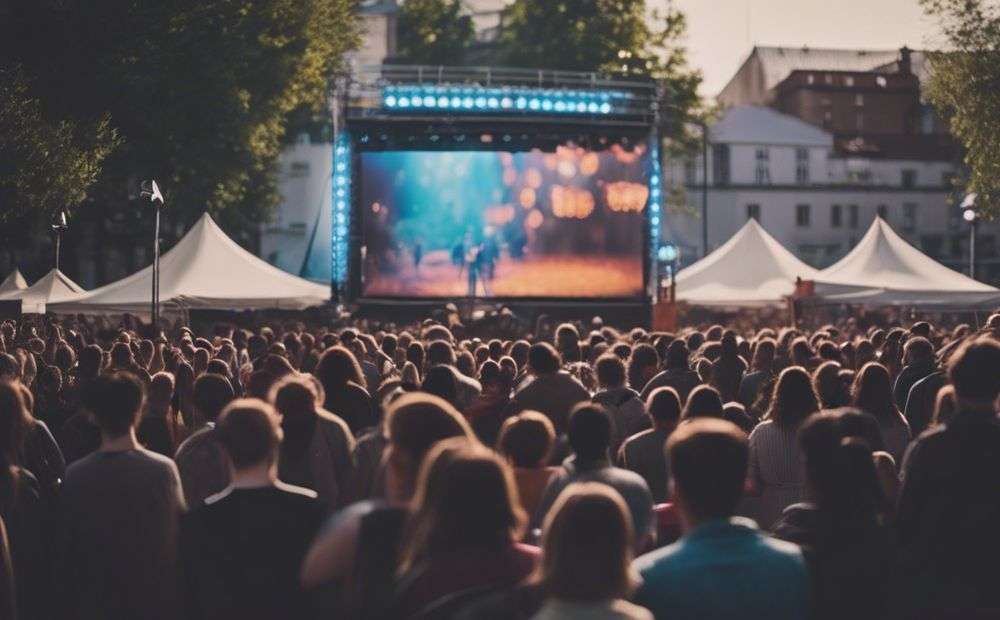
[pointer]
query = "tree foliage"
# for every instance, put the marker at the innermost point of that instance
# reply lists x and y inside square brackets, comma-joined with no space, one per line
[199,92]
[615,37]
[965,88]
[433,32]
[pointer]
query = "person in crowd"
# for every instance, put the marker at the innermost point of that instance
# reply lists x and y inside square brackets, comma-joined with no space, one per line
[40,454]
[843,526]
[463,530]
[643,364]
[722,567]
[728,369]
[589,436]
[628,415]
[946,503]
[593,580]
[120,510]
[775,472]
[440,381]
[158,429]
[918,356]
[760,374]
[358,551]
[526,441]
[24,510]
[872,393]
[856,423]
[829,387]
[344,386]
[242,549]
[703,402]
[919,408]
[550,391]
[644,452]
[677,373]
[316,452]
[441,353]
[200,459]
[488,411]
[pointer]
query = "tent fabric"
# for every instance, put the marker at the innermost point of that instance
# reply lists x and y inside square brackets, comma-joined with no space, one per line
[751,269]
[53,287]
[13,282]
[883,269]
[205,270]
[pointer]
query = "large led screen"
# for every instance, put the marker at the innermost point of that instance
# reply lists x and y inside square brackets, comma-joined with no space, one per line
[567,223]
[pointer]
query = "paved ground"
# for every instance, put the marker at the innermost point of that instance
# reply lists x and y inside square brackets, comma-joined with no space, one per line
[543,276]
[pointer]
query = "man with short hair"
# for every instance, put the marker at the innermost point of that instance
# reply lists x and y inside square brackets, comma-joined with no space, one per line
[723,567]
[645,452]
[948,501]
[918,354]
[440,352]
[590,437]
[243,548]
[551,390]
[628,415]
[200,459]
[120,511]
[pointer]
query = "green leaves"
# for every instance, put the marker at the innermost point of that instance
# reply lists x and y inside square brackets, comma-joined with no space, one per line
[433,32]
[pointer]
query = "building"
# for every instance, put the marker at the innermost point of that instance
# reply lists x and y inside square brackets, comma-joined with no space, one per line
[814,144]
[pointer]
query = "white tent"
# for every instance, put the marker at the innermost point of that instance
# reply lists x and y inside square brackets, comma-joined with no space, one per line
[751,269]
[205,270]
[13,282]
[883,269]
[53,287]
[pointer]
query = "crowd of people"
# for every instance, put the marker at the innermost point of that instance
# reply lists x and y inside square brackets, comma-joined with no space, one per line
[426,471]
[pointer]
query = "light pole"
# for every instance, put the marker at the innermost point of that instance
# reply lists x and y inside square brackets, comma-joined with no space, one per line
[59,226]
[669,255]
[704,188]
[969,215]
[151,191]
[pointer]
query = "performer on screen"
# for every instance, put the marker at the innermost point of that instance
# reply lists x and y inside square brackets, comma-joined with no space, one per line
[418,254]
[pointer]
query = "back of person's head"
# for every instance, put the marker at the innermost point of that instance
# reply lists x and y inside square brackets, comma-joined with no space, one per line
[587,541]
[440,352]
[945,405]
[440,381]
[589,431]
[972,370]
[414,422]
[708,466]
[526,439]
[840,470]
[873,392]
[857,423]
[465,499]
[219,367]
[677,355]
[566,336]
[295,398]
[15,423]
[519,352]
[465,363]
[161,388]
[610,371]
[922,329]
[663,405]
[115,400]
[10,368]
[794,398]
[918,349]
[249,429]
[763,354]
[121,355]
[259,384]
[543,359]
[703,402]
[212,393]
[409,375]
[642,365]
[438,332]
[338,367]
[829,387]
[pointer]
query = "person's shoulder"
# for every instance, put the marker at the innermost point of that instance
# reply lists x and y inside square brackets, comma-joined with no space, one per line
[195,440]
[778,551]
[332,422]
[764,427]
[628,478]
[297,493]
[639,440]
[660,561]
[153,460]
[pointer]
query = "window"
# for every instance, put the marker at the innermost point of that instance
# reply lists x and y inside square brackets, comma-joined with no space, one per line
[802,166]
[859,100]
[691,171]
[828,78]
[753,212]
[836,216]
[852,217]
[883,211]
[720,163]
[298,169]
[802,216]
[848,80]
[810,79]
[909,216]
[763,171]
[859,121]
[908,178]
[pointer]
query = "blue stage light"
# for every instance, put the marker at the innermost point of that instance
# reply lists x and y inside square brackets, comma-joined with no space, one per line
[508,98]
[506,103]
[480,102]
[560,106]
[605,108]
[521,103]
[443,102]
[404,102]
[390,101]
[534,104]
[493,102]
[467,103]
[456,102]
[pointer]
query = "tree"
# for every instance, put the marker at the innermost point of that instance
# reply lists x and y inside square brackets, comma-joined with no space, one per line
[433,32]
[619,38]
[200,92]
[964,87]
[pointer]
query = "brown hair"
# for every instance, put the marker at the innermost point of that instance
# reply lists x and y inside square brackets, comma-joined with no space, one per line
[250,432]
[708,465]
[587,544]
[526,439]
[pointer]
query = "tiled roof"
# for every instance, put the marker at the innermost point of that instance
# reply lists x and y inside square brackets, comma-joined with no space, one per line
[778,62]
[750,124]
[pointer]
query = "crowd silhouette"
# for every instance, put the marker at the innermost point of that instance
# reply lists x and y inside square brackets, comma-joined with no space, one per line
[438,470]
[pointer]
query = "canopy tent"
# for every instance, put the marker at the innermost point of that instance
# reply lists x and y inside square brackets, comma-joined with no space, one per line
[751,269]
[13,282]
[53,287]
[885,270]
[205,270]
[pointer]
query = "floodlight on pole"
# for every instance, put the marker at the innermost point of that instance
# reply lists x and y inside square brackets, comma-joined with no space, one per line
[151,191]
[970,215]
[59,226]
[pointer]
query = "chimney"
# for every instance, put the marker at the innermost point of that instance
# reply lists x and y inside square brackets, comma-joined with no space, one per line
[905,65]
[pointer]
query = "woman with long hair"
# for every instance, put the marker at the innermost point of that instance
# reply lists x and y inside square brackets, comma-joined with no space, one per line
[872,393]
[586,564]
[842,526]
[465,521]
[775,472]
[829,387]
[346,391]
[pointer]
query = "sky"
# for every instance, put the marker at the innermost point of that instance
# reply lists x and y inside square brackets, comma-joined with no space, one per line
[721,33]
